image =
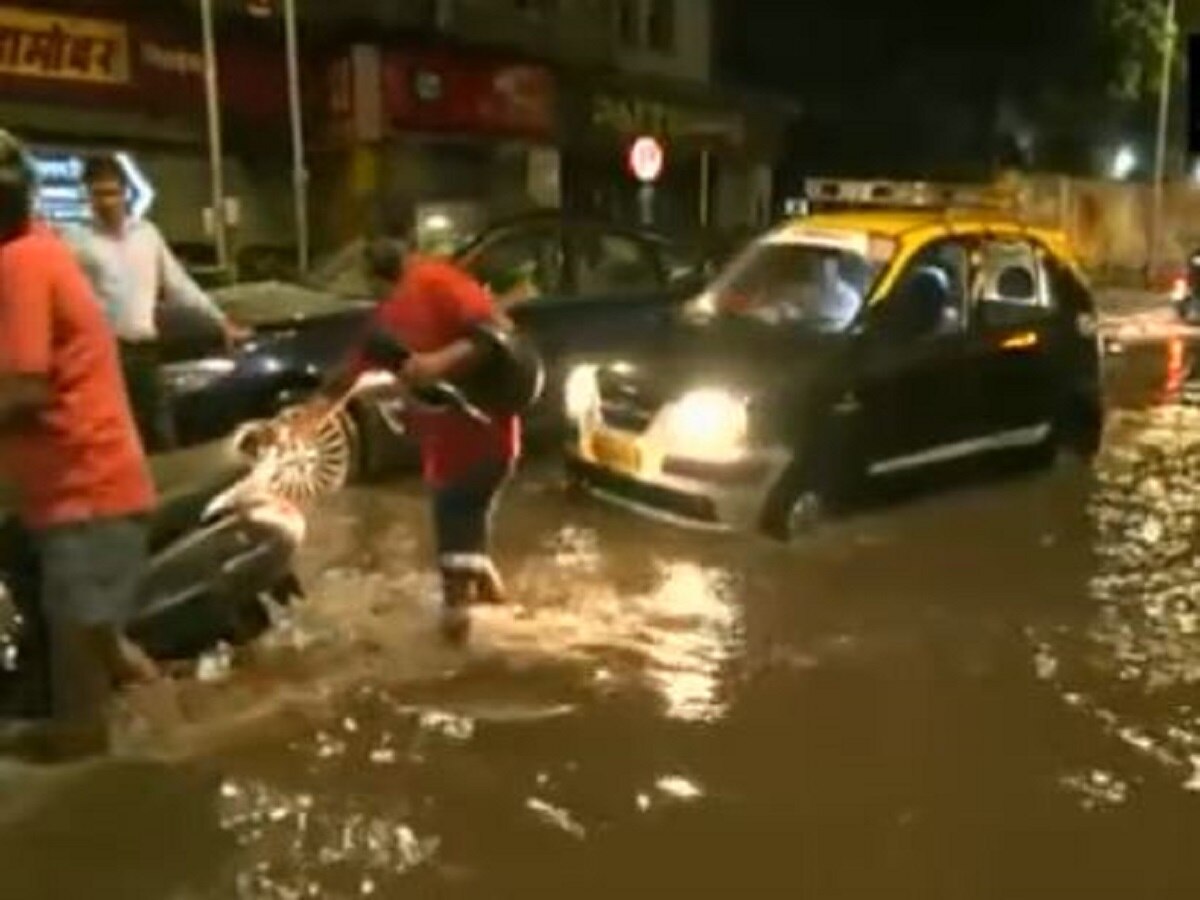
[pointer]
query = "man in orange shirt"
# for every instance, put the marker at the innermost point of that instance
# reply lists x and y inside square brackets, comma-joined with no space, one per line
[71,451]
[437,312]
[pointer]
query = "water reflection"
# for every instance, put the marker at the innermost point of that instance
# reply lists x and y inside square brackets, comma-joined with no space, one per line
[1132,667]
[297,845]
[672,624]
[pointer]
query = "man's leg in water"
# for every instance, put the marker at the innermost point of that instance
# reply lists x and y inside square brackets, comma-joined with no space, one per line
[22,569]
[91,576]
[462,522]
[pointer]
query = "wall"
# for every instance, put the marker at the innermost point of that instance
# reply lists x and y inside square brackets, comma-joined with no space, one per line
[172,155]
[691,57]
[1109,222]
[181,178]
[577,32]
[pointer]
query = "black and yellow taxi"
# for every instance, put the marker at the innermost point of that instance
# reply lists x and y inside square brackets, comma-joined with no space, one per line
[903,330]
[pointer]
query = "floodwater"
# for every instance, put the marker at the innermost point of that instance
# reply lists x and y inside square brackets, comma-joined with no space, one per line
[991,691]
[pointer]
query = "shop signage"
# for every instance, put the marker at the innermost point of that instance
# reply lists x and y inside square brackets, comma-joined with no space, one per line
[631,116]
[439,92]
[170,75]
[61,195]
[35,44]
[646,159]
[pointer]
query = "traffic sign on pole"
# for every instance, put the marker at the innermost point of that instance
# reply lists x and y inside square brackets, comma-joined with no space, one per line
[646,159]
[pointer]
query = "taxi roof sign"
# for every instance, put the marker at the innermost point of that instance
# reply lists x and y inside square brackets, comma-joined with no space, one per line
[907,194]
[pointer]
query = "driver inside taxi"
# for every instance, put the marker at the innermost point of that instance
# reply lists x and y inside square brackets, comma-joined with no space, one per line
[821,296]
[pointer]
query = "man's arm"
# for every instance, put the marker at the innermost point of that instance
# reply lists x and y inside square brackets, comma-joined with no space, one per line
[179,288]
[26,295]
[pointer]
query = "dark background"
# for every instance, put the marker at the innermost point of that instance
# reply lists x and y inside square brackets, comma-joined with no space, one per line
[950,88]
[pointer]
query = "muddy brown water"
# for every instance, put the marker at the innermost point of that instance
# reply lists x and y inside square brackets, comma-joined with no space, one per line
[988,691]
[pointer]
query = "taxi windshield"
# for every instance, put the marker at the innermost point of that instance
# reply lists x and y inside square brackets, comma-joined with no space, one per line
[809,286]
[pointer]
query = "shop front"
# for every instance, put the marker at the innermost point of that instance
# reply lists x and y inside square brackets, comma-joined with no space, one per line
[471,138]
[717,155]
[75,83]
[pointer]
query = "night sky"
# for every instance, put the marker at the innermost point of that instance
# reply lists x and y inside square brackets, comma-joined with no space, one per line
[943,87]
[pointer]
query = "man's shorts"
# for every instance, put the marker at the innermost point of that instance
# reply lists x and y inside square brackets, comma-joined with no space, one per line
[462,516]
[91,571]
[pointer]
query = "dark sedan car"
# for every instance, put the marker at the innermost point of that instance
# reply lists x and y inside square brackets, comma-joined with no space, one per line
[582,289]
[843,350]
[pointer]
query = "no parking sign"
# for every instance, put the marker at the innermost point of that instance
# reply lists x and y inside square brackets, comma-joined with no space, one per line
[646,159]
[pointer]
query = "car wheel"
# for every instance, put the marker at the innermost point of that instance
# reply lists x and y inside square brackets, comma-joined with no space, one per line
[828,478]
[793,512]
[323,464]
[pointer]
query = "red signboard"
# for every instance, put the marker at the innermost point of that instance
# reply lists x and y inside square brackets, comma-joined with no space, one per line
[440,92]
[253,79]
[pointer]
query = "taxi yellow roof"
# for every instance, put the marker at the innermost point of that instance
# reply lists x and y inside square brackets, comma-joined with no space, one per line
[897,223]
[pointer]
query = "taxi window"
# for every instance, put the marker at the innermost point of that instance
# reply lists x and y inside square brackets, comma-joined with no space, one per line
[802,285]
[1010,284]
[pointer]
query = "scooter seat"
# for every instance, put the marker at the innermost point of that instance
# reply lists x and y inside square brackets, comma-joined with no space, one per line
[187,480]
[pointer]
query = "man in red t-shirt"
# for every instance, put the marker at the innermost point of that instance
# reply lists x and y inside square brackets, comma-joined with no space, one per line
[434,310]
[72,454]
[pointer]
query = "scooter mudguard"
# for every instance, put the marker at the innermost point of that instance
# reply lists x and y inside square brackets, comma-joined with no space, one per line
[208,587]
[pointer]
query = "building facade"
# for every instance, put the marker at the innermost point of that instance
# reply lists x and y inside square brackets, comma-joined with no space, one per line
[495,106]
[84,77]
[481,108]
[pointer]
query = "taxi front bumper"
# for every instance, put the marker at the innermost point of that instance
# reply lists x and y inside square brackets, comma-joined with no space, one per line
[673,488]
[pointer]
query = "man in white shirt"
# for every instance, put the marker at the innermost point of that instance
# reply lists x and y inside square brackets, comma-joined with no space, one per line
[132,270]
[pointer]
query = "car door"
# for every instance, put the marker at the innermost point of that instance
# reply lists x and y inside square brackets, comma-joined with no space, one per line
[1013,338]
[521,263]
[913,384]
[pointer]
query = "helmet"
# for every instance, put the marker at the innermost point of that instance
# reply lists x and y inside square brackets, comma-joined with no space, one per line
[16,185]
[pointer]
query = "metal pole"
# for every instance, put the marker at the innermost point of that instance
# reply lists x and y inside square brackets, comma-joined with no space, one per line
[705,185]
[299,170]
[215,145]
[1160,150]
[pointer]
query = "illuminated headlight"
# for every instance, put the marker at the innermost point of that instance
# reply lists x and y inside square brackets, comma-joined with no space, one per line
[196,375]
[580,393]
[707,425]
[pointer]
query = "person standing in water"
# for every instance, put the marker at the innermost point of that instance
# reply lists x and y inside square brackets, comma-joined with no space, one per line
[442,315]
[73,461]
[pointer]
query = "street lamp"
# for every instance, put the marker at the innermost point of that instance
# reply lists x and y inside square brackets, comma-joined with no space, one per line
[1160,150]
[215,143]
[299,168]
[1124,162]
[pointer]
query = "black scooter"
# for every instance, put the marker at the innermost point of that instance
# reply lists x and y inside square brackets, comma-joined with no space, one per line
[222,544]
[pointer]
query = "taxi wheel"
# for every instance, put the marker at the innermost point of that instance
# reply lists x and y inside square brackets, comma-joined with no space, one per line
[827,477]
[792,512]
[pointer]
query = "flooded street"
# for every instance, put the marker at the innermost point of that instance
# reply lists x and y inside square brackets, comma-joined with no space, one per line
[984,692]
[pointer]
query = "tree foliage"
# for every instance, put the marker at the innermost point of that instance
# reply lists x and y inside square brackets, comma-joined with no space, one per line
[1139,33]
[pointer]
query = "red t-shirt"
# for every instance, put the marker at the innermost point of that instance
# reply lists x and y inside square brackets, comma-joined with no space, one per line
[82,458]
[435,304]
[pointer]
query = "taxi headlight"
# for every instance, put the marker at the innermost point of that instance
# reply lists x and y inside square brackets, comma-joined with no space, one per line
[580,393]
[709,425]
